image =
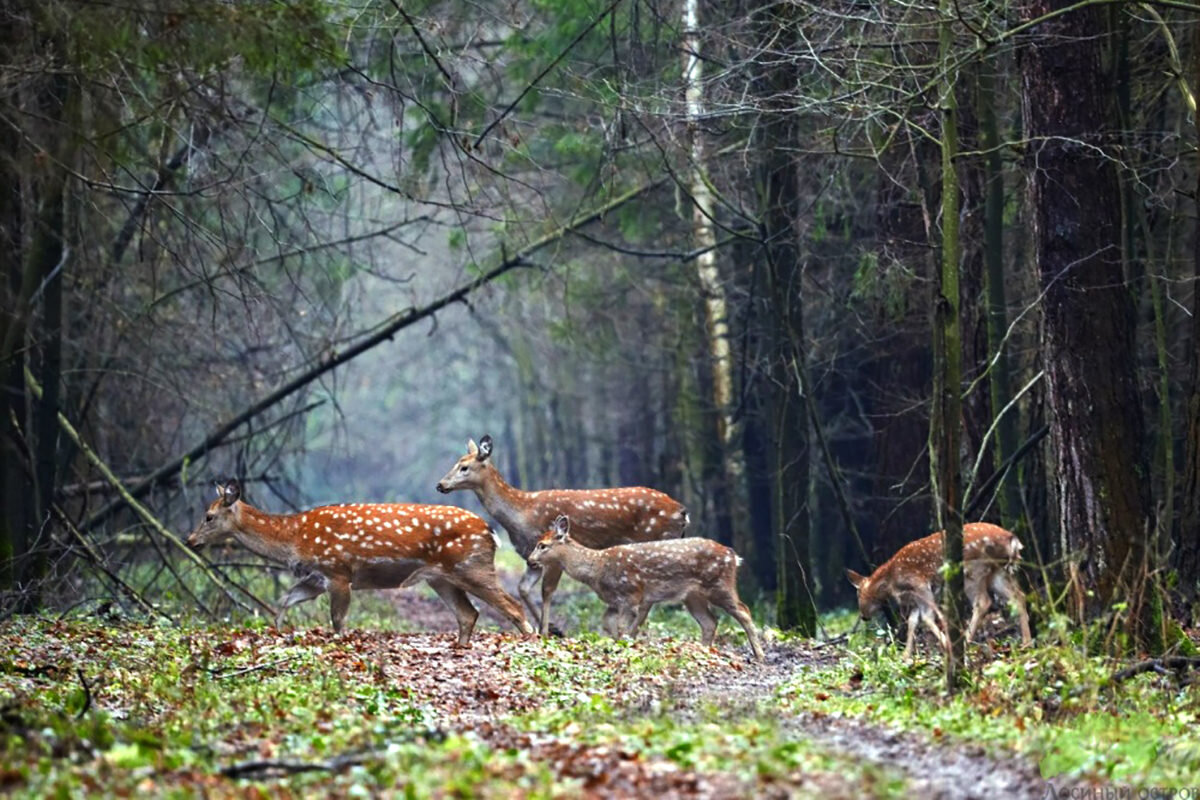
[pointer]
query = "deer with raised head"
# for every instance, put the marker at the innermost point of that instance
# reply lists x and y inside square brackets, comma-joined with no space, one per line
[341,548]
[910,576]
[601,517]
[632,578]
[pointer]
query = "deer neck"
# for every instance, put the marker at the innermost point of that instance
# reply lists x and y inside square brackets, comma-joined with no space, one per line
[268,535]
[582,563]
[507,505]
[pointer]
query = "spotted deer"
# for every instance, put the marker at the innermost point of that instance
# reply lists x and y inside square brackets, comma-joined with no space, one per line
[341,548]
[910,576]
[601,517]
[632,578]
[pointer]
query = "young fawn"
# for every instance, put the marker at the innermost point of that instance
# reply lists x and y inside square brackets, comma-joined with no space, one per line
[631,578]
[339,548]
[602,517]
[909,577]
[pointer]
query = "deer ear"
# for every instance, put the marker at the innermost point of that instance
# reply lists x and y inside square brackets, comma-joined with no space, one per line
[472,450]
[562,526]
[485,448]
[855,578]
[231,492]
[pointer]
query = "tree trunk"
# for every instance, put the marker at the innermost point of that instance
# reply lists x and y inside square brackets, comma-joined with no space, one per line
[1187,539]
[1098,466]
[729,469]
[779,204]
[946,419]
[1000,374]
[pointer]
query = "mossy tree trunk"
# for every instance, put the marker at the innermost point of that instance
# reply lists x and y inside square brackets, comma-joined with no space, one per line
[946,419]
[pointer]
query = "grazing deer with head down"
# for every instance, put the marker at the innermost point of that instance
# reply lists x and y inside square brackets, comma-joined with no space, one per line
[369,546]
[631,578]
[909,577]
[601,517]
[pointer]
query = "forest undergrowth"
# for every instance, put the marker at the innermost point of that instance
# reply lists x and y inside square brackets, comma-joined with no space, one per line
[99,705]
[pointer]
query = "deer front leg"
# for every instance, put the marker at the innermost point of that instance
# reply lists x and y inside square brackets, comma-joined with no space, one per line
[305,590]
[935,627]
[981,603]
[643,609]
[525,589]
[914,619]
[611,622]
[339,602]
[928,610]
[1006,587]
[550,579]
[627,617]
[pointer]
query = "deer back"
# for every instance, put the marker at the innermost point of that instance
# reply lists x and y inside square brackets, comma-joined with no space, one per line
[347,538]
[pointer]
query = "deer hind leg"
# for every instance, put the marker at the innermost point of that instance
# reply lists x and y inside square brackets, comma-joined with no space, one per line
[697,605]
[550,580]
[1005,586]
[732,604]
[339,602]
[482,583]
[302,592]
[460,604]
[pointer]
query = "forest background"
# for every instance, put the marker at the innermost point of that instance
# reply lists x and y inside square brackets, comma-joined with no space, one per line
[736,251]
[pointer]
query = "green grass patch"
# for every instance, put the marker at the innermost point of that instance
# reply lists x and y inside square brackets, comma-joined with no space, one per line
[1053,703]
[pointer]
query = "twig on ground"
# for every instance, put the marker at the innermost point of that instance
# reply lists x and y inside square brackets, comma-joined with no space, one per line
[1176,664]
[841,637]
[218,675]
[263,767]
[87,694]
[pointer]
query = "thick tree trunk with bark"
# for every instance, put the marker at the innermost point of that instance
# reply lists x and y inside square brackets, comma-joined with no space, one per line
[1098,467]
[1188,532]
[779,204]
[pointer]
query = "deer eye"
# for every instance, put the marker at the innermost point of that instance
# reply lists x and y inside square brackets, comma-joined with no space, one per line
[463,468]
[209,517]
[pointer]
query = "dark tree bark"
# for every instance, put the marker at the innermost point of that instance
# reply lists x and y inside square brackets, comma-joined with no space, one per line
[1098,467]
[897,379]
[779,204]
[1187,541]
[1000,376]
[14,482]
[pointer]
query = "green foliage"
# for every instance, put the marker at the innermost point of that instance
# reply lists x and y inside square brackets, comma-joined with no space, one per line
[878,286]
[286,39]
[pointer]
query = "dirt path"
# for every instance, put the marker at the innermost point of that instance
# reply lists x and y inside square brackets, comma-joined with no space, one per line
[933,769]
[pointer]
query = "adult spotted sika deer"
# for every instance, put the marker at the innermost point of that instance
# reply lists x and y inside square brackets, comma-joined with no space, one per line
[909,578]
[337,549]
[601,517]
[631,578]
